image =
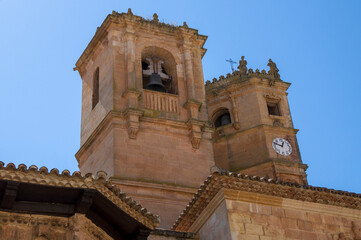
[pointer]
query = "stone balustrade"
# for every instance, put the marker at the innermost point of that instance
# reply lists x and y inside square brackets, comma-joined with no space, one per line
[160,101]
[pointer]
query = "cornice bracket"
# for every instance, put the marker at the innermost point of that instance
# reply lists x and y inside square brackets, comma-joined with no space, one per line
[10,193]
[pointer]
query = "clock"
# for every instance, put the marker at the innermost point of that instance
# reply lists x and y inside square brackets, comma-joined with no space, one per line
[282,146]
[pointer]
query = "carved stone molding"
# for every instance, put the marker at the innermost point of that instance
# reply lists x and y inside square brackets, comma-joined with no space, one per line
[196,133]
[133,116]
[82,224]
[272,97]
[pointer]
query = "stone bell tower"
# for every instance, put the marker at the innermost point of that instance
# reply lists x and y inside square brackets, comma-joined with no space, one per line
[144,118]
[254,130]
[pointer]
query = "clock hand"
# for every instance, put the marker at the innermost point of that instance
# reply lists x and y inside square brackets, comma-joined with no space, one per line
[279,144]
[282,144]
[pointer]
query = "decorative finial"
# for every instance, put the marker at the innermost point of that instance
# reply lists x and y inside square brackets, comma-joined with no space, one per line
[129,11]
[155,18]
[242,67]
[273,70]
[185,25]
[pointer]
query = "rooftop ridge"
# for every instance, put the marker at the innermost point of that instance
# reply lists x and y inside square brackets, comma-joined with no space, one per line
[274,187]
[77,180]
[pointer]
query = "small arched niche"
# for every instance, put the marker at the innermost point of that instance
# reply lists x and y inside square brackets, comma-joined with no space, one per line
[159,70]
[221,118]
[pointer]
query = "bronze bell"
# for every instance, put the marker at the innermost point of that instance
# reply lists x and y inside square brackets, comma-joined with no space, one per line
[155,83]
[225,119]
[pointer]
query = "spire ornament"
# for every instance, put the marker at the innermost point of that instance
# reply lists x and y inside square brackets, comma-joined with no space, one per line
[155,18]
[273,70]
[242,67]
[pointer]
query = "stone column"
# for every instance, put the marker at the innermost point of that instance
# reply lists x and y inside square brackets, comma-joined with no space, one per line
[130,59]
[234,110]
[189,72]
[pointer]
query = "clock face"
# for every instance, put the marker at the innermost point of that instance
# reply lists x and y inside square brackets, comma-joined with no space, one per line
[282,146]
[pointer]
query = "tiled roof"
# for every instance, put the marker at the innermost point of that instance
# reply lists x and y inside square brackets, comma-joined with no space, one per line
[42,176]
[242,182]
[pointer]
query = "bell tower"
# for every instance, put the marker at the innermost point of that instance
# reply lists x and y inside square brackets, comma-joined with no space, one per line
[144,118]
[254,130]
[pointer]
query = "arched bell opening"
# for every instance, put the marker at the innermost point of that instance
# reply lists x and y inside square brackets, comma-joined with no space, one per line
[221,118]
[159,70]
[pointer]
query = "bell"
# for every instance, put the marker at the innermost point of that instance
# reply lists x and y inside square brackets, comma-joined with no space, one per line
[225,119]
[155,83]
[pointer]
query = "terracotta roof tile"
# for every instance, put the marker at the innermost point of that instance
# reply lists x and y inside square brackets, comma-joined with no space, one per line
[76,180]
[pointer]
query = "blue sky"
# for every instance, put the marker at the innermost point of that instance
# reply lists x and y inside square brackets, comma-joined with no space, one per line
[316,45]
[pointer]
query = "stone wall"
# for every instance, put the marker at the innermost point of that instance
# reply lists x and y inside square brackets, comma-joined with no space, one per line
[217,225]
[259,221]
[255,216]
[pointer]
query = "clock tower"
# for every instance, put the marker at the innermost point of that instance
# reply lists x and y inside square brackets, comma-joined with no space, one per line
[144,118]
[254,130]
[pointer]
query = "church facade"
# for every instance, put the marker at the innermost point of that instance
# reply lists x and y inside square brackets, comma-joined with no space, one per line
[152,132]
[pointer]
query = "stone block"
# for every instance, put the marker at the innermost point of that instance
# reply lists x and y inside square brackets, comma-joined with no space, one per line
[261,209]
[314,217]
[304,225]
[277,212]
[296,214]
[298,234]
[289,223]
[239,206]
[254,229]
[265,238]
[273,231]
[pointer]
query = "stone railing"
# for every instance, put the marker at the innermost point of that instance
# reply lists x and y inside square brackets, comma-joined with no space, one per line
[160,101]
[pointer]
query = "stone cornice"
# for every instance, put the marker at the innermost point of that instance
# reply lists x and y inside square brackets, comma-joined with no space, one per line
[99,35]
[129,18]
[276,201]
[244,73]
[103,124]
[235,82]
[262,126]
[117,114]
[275,161]
[263,187]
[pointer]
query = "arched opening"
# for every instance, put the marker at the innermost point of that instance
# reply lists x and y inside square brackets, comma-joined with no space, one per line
[159,70]
[221,118]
